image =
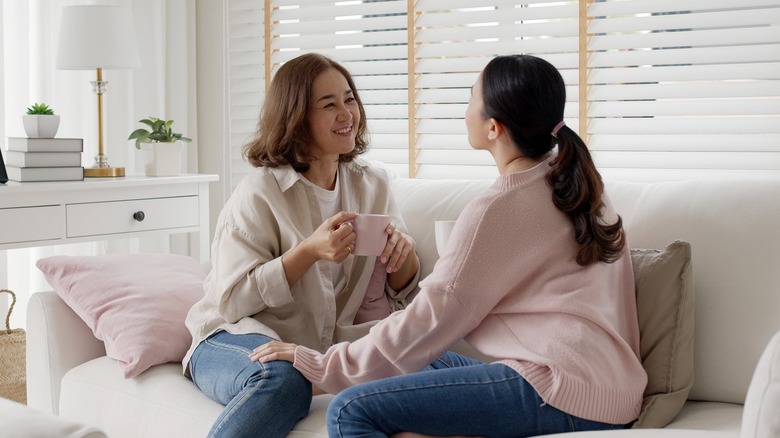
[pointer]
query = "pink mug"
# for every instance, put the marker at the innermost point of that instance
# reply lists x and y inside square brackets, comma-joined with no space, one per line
[371,236]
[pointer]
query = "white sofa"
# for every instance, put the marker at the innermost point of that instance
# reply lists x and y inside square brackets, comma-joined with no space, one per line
[733,226]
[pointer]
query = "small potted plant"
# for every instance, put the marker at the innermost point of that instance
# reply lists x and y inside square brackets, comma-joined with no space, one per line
[161,147]
[40,121]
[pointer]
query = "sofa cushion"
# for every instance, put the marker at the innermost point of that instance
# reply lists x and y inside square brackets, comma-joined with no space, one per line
[158,403]
[664,294]
[135,303]
[731,225]
[710,416]
[762,404]
[18,420]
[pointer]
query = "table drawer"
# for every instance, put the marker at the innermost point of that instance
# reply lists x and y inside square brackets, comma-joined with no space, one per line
[31,224]
[93,219]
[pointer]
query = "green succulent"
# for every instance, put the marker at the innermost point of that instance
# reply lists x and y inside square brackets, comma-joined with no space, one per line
[40,109]
[161,132]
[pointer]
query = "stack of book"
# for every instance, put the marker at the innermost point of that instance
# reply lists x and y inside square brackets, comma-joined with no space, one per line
[44,159]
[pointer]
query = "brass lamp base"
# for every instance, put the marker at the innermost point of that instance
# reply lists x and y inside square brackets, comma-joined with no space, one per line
[101,168]
[103,172]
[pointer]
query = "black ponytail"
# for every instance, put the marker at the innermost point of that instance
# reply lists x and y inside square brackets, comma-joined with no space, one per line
[527,95]
[577,191]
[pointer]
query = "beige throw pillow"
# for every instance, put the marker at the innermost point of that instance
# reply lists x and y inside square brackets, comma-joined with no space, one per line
[665,305]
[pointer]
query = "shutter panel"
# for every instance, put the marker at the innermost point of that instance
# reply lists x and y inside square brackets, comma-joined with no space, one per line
[672,85]
[684,85]
[454,40]
[246,79]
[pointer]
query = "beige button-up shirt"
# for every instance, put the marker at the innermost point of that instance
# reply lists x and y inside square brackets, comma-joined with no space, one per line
[270,212]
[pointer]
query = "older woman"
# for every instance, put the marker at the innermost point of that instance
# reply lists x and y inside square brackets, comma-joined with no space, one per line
[283,267]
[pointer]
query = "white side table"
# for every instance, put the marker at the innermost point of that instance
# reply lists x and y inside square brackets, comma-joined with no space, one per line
[54,213]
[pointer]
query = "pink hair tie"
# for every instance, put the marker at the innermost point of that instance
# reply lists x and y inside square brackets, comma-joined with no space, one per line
[558,128]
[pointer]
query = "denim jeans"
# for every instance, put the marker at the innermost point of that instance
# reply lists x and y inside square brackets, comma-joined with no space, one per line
[262,399]
[455,395]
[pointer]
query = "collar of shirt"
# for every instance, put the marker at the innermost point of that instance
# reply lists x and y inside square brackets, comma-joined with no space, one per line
[286,176]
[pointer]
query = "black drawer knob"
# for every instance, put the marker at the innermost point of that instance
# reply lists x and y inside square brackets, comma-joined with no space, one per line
[139,216]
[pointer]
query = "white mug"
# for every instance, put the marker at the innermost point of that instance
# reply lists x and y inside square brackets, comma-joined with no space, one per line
[442,231]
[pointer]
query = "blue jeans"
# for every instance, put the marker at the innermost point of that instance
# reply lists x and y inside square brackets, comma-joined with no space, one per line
[262,399]
[455,395]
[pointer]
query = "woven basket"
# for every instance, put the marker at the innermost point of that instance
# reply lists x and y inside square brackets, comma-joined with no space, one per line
[13,376]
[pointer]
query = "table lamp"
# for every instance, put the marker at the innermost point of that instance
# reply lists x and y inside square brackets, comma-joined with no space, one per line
[98,37]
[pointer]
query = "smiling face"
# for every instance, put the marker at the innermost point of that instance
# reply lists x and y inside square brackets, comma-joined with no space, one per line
[333,117]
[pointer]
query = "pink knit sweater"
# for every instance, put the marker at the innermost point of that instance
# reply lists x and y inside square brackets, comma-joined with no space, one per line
[509,284]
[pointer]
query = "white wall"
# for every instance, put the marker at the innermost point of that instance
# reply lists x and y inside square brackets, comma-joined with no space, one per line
[212,96]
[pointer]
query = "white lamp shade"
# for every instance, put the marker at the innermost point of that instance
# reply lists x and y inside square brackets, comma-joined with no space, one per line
[97,36]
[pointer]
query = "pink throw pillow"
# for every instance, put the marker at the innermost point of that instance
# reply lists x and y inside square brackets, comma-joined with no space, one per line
[136,304]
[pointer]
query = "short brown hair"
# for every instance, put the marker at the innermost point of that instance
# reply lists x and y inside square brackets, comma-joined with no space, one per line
[283,135]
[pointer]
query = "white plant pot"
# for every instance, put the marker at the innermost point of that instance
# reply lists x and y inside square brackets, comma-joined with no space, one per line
[41,126]
[162,159]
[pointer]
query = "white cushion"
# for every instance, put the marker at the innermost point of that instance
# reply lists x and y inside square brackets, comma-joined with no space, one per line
[732,228]
[160,402]
[695,420]
[21,421]
[762,405]
[712,416]
[645,433]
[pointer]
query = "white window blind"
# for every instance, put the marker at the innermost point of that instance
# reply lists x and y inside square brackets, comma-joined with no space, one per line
[684,85]
[453,42]
[246,79]
[667,84]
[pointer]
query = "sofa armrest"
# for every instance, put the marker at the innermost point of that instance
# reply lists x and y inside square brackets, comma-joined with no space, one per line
[19,420]
[760,417]
[57,340]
